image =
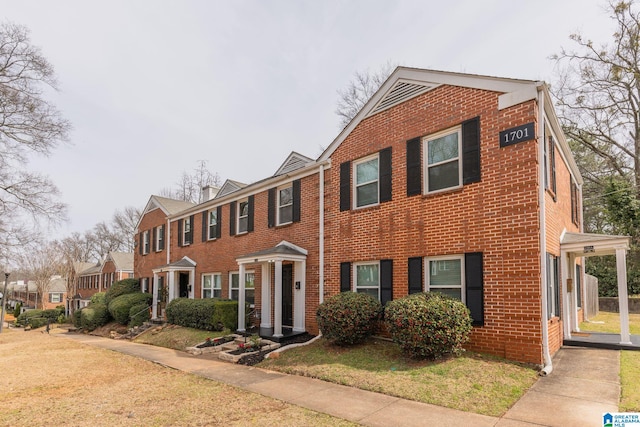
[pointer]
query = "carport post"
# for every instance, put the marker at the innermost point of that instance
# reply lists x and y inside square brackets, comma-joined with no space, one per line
[623,297]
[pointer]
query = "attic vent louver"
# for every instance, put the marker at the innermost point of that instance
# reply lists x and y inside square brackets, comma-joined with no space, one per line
[401,92]
[293,164]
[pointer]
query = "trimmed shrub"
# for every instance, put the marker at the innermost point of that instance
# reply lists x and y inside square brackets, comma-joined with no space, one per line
[77,319]
[38,318]
[348,317]
[192,313]
[225,315]
[428,325]
[121,287]
[17,310]
[120,306]
[98,298]
[138,314]
[93,316]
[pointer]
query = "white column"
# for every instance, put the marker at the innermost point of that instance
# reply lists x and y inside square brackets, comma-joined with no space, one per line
[564,295]
[299,274]
[172,286]
[154,292]
[575,325]
[241,299]
[265,315]
[192,284]
[277,304]
[623,297]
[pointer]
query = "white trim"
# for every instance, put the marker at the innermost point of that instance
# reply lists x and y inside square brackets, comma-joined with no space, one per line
[354,181]
[185,233]
[213,288]
[231,288]
[146,242]
[238,216]
[278,206]
[209,212]
[425,161]
[158,240]
[354,272]
[427,275]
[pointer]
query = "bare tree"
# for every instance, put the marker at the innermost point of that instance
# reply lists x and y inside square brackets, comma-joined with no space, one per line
[124,225]
[360,89]
[28,125]
[189,187]
[42,262]
[598,93]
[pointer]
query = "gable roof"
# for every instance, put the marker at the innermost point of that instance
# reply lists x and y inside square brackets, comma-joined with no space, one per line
[406,83]
[122,260]
[81,266]
[229,187]
[293,162]
[166,205]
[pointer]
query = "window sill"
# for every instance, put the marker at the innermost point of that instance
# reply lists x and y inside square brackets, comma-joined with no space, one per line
[552,194]
[283,225]
[443,192]
[364,209]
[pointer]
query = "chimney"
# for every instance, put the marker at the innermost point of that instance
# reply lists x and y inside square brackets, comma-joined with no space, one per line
[208,193]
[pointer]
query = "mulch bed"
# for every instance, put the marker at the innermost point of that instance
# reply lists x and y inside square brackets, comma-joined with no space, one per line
[257,357]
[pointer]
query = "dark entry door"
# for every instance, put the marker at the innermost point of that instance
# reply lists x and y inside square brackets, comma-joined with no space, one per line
[184,285]
[287,295]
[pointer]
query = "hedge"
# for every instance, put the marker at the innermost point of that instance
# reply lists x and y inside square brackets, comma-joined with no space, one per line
[138,314]
[121,287]
[38,318]
[192,313]
[93,316]
[98,298]
[120,306]
[225,315]
[428,325]
[348,317]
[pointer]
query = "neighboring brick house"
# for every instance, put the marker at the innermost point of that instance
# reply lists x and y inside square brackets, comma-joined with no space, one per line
[94,278]
[448,182]
[116,266]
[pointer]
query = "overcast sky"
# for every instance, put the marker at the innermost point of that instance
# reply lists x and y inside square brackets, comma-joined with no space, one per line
[152,87]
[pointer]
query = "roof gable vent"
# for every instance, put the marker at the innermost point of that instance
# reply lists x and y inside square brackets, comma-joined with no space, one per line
[402,91]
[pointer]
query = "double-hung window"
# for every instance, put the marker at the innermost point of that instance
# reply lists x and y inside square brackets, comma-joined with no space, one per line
[186,231]
[446,275]
[249,286]
[553,288]
[55,297]
[213,223]
[211,285]
[160,238]
[145,242]
[243,216]
[442,160]
[285,205]
[366,184]
[367,279]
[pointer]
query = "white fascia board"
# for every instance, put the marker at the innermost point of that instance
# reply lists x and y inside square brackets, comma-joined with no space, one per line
[151,205]
[510,99]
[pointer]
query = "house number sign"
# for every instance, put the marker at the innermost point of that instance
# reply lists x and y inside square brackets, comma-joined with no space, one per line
[517,134]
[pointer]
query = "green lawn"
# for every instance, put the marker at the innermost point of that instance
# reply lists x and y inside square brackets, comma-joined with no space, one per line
[629,360]
[472,382]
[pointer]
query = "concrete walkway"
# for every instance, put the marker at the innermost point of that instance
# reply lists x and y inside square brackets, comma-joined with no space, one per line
[583,386]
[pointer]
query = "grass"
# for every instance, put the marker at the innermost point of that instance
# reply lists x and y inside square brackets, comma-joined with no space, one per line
[472,382]
[176,337]
[629,360]
[47,379]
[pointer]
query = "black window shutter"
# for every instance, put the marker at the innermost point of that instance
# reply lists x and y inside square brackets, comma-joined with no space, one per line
[415,275]
[219,222]
[232,218]
[414,167]
[180,235]
[205,226]
[552,161]
[385,174]
[153,239]
[345,276]
[141,243]
[471,151]
[193,225]
[296,200]
[345,186]
[271,208]
[386,281]
[251,200]
[474,278]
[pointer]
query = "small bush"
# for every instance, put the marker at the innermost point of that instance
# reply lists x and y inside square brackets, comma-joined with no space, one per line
[348,317]
[428,325]
[98,298]
[93,316]
[192,313]
[17,310]
[121,287]
[38,318]
[77,318]
[225,315]
[138,314]
[120,306]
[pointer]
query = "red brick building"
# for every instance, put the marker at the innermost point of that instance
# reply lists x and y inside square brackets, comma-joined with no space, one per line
[446,182]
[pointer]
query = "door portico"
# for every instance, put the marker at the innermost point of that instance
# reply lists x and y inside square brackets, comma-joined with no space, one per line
[179,276]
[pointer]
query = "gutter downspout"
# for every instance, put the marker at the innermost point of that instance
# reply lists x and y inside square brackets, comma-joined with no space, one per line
[321,234]
[548,365]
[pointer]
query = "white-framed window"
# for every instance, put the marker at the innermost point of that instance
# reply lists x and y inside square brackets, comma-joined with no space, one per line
[145,242]
[144,284]
[446,275]
[553,287]
[212,285]
[249,286]
[186,231]
[366,174]
[160,238]
[367,278]
[443,162]
[55,297]
[285,204]
[213,224]
[243,216]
